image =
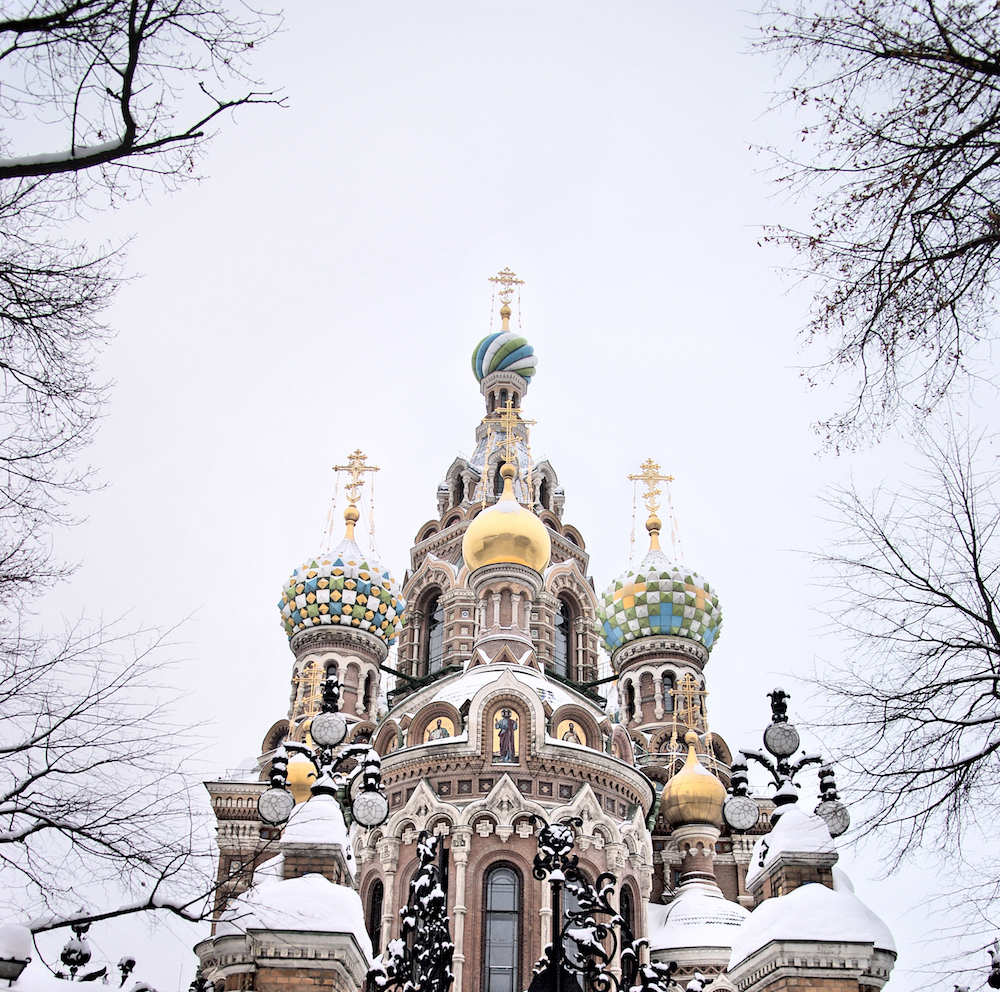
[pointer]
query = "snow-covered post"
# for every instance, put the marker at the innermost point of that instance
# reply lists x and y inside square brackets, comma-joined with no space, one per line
[15,951]
[420,959]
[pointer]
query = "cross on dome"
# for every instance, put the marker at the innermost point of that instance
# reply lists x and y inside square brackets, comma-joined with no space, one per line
[356,467]
[506,280]
[507,418]
[649,476]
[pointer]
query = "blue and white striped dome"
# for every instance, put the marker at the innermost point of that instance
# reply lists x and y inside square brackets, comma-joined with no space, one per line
[504,351]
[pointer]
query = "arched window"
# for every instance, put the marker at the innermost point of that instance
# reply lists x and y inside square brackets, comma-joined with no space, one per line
[503,398]
[543,493]
[498,482]
[561,651]
[500,945]
[375,898]
[627,909]
[434,637]
[630,713]
[668,688]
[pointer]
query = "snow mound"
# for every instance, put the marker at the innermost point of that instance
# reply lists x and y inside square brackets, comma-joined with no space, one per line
[319,820]
[796,832]
[699,916]
[812,912]
[310,902]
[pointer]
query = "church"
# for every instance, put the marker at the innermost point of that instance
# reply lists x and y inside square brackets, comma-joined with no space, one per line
[500,692]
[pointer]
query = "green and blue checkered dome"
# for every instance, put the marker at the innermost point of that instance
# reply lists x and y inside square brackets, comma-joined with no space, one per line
[503,351]
[339,588]
[658,598]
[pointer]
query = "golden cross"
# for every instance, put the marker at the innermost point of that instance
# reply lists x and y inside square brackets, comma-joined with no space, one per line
[312,678]
[507,418]
[649,476]
[356,467]
[506,280]
[690,696]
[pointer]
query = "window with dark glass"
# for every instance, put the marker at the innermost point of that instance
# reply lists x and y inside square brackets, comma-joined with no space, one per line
[375,917]
[627,910]
[560,655]
[434,642]
[668,688]
[503,903]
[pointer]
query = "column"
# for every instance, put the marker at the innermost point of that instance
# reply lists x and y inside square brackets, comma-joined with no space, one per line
[461,837]
[388,852]
[658,690]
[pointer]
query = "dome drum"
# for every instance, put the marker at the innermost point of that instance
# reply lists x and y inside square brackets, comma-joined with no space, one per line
[339,638]
[511,574]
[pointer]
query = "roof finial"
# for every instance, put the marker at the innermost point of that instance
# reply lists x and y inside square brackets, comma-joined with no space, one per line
[356,467]
[506,280]
[649,477]
[507,419]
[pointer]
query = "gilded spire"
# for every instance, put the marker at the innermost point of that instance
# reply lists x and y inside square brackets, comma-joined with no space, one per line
[649,477]
[356,468]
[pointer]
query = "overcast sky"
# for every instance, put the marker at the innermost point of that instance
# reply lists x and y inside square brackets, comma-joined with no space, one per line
[322,289]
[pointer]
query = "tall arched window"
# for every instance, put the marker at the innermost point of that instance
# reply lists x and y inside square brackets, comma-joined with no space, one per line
[434,637]
[560,655]
[375,898]
[627,909]
[630,713]
[500,945]
[668,688]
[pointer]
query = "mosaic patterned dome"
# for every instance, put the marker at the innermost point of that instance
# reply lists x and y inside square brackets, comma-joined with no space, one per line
[659,598]
[342,587]
[504,351]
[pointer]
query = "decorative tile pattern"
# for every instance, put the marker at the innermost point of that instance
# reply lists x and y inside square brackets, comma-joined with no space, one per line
[659,598]
[342,588]
[503,350]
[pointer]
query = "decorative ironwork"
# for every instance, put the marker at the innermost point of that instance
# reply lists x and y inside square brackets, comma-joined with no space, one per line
[584,946]
[781,739]
[420,959]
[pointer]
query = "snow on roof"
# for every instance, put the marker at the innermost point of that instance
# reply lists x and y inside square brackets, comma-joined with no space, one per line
[319,820]
[465,686]
[699,916]
[309,902]
[812,912]
[795,832]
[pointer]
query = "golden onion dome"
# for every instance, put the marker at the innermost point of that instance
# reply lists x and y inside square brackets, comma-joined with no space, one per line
[694,794]
[507,533]
[301,775]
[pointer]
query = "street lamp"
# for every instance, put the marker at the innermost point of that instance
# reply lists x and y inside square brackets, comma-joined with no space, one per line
[358,790]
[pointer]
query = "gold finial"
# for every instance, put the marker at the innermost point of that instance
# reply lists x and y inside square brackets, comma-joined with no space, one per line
[506,418]
[356,468]
[649,477]
[506,280]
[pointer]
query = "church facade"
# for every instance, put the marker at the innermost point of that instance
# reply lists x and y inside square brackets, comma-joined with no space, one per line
[490,719]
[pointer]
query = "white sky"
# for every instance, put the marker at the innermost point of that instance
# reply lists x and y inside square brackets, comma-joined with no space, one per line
[324,287]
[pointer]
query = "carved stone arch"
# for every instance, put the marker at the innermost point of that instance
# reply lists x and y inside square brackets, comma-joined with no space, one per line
[546,483]
[387,738]
[426,717]
[640,742]
[456,481]
[428,530]
[550,520]
[522,712]
[363,730]
[573,536]
[504,804]
[482,706]
[423,806]
[274,737]
[452,519]
[583,721]
[625,749]
[586,805]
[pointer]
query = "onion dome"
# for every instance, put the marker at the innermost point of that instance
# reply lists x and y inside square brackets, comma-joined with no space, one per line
[507,533]
[694,794]
[658,597]
[343,587]
[505,351]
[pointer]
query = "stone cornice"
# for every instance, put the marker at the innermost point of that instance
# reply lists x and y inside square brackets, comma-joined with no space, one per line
[337,637]
[658,646]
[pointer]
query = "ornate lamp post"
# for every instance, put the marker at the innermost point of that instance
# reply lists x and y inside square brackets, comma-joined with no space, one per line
[782,740]
[359,790]
[595,944]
